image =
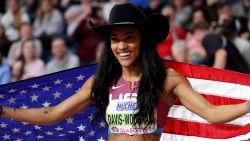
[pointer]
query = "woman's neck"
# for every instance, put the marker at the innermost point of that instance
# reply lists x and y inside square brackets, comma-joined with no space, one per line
[131,73]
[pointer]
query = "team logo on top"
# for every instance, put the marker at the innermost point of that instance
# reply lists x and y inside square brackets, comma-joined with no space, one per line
[126,106]
[116,87]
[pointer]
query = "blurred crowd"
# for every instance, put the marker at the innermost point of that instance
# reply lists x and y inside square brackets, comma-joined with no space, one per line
[39,37]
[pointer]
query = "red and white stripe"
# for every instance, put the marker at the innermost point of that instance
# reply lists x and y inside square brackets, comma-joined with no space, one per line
[220,87]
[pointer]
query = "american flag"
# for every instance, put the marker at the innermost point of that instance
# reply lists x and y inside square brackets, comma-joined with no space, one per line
[220,87]
[48,91]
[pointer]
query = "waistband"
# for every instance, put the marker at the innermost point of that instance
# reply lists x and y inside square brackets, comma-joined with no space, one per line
[157,131]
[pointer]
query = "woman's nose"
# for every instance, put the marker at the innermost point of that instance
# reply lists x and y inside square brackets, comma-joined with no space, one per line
[122,45]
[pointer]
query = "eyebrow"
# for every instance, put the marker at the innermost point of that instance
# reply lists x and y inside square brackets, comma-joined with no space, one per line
[126,33]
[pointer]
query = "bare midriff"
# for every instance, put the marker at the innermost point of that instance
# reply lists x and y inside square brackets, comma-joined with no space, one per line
[125,137]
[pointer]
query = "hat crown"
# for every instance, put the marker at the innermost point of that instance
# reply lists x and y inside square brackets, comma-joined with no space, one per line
[125,13]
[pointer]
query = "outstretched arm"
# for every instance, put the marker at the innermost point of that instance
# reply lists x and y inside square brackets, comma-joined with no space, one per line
[199,105]
[72,105]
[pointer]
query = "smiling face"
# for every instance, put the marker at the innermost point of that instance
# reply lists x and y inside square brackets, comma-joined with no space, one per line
[125,45]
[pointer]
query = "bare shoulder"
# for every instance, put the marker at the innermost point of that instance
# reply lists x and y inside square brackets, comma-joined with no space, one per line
[175,78]
[88,84]
[174,75]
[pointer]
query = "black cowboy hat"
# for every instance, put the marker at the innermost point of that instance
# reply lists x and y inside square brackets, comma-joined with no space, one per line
[155,26]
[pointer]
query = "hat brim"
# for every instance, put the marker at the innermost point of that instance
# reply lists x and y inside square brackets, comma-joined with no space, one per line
[155,26]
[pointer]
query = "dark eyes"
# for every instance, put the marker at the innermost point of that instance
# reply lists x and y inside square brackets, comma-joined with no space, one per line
[127,39]
[130,37]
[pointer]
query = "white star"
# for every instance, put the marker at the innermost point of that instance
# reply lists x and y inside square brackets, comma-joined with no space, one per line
[18,139]
[58,81]
[57,95]
[69,85]
[46,88]
[102,124]
[81,128]
[39,137]
[101,139]
[49,133]
[69,120]
[24,123]
[80,77]
[37,127]
[24,107]
[61,135]
[91,117]
[12,91]
[59,128]
[78,90]
[6,137]
[1,96]
[92,133]
[28,133]
[81,138]
[3,125]
[23,92]
[12,100]
[71,132]
[34,97]
[15,130]
[34,86]
[46,104]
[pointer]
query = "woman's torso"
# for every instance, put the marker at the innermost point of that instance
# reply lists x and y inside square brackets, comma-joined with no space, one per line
[120,111]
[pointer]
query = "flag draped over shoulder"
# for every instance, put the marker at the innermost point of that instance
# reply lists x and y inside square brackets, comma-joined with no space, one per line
[48,91]
[220,87]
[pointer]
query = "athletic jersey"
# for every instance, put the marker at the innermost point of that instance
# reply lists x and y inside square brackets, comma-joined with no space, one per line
[122,107]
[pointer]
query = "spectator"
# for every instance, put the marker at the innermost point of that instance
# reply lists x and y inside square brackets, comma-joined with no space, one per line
[226,19]
[183,12]
[4,42]
[176,32]
[179,50]
[212,9]
[221,53]
[62,58]
[87,39]
[13,19]
[64,4]
[196,51]
[155,6]
[199,15]
[76,13]
[242,45]
[242,8]
[5,73]
[28,64]
[198,4]
[49,21]
[16,49]
[31,7]
[246,34]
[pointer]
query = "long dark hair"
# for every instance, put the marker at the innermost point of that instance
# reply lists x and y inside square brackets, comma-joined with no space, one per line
[151,83]
[22,59]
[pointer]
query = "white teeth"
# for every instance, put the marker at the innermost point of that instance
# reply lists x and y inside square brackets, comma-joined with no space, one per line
[123,54]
